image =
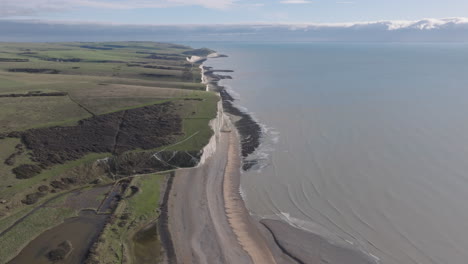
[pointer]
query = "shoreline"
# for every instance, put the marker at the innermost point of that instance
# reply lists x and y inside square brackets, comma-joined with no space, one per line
[247,233]
[250,131]
[208,220]
[244,138]
[264,240]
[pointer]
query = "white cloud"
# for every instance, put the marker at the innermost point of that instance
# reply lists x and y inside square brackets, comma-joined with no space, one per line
[384,25]
[427,24]
[255,5]
[425,30]
[295,2]
[217,4]
[22,7]
[390,25]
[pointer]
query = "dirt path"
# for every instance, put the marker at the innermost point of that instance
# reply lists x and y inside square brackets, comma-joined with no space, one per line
[80,105]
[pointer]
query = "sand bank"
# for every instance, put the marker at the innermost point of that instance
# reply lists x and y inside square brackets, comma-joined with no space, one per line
[305,247]
[247,234]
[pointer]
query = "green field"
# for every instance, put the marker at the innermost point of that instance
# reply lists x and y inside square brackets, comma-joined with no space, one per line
[134,213]
[92,79]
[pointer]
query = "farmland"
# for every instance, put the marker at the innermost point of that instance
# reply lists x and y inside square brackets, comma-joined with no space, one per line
[67,110]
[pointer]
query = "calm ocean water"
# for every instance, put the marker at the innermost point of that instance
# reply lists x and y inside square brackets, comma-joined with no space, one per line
[365,144]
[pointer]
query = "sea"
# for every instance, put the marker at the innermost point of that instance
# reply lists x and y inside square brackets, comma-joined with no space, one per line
[363,143]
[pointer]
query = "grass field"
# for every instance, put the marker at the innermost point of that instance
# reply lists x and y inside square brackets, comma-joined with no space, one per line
[93,79]
[135,212]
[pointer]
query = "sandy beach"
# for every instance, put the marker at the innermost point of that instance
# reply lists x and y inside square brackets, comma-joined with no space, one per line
[208,220]
[199,226]
[238,217]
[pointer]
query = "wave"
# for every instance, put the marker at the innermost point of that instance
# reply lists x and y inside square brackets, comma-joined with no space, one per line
[260,157]
[269,137]
[321,231]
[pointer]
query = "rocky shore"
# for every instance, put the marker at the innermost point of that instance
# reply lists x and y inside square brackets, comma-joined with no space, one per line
[250,131]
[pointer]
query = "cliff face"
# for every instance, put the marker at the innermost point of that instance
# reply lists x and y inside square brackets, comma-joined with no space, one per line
[218,125]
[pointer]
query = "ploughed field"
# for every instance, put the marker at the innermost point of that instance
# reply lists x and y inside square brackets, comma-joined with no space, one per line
[88,115]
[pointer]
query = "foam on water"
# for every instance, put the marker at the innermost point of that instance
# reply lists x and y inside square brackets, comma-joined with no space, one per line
[262,155]
[323,232]
[231,91]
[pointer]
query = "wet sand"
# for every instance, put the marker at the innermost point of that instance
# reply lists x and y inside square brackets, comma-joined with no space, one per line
[247,234]
[208,220]
[197,220]
[305,247]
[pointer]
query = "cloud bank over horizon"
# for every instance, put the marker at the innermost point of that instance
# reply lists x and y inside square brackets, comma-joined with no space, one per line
[10,8]
[425,30]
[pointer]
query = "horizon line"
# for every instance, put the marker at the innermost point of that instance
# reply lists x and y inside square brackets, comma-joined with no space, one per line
[460,20]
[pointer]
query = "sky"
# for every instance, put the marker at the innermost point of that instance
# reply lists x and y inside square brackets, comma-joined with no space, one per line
[235,20]
[229,11]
